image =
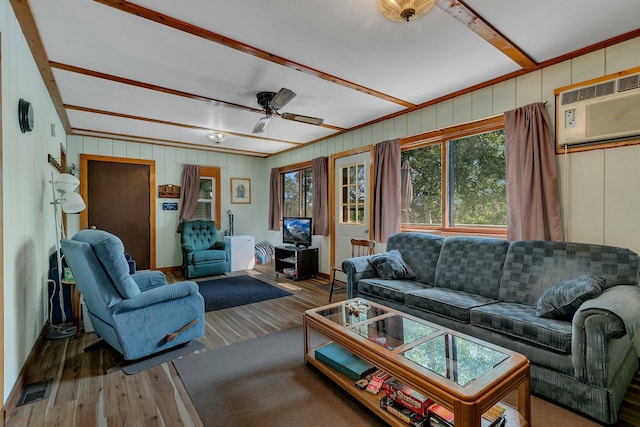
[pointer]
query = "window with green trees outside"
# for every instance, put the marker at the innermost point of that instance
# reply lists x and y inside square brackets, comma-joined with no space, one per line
[455,183]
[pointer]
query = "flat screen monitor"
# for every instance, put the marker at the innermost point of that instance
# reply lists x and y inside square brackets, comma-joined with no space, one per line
[296,231]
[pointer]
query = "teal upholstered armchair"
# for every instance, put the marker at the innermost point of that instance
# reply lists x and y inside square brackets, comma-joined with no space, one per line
[202,254]
[136,314]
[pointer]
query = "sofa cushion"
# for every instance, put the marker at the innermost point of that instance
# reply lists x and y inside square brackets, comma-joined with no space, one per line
[563,300]
[209,255]
[472,264]
[389,266]
[420,251]
[533,266]
[390,290]
[446,302]
[520,321]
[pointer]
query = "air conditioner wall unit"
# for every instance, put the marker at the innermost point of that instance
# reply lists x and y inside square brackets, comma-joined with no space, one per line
[603,111]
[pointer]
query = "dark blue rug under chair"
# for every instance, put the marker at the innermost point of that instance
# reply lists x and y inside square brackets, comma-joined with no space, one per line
[237,290]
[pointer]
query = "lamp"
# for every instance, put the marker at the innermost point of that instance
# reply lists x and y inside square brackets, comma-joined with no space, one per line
[68,202]
[217,137]
[404,10]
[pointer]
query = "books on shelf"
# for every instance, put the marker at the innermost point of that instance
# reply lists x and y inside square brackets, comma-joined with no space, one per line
[405,414]
[344,361]
[407,396]
[377,381]
[442,416]
[494,417]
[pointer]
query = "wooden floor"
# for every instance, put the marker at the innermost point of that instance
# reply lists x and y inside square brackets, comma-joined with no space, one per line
[84,394]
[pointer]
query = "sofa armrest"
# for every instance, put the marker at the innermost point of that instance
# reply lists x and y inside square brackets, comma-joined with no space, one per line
[157,295]
[149,279]
[357,269]
[610,316]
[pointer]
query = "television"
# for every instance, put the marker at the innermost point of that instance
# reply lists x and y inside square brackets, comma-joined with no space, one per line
[296,231]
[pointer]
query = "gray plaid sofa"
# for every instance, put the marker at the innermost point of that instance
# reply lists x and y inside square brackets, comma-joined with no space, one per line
[488,288]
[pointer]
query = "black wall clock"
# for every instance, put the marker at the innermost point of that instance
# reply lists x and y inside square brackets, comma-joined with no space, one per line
[25,116]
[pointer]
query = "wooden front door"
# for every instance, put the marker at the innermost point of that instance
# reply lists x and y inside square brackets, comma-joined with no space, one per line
[121,200]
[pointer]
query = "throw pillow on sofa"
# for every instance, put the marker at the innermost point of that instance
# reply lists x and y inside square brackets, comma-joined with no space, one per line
[390,265]
[563,300]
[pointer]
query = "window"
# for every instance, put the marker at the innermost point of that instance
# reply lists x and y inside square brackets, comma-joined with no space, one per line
[455,179]
[352,193]
[208,206]
[297,193]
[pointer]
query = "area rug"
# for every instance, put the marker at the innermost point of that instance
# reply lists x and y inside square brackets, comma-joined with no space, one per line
[237,290]
[264,381]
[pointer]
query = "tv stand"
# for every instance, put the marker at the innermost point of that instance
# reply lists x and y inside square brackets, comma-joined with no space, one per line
[296,262]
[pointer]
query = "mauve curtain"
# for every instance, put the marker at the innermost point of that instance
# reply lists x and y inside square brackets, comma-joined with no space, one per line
[190,186]
[275,198]
[320,209]
[387,203]
[533,202]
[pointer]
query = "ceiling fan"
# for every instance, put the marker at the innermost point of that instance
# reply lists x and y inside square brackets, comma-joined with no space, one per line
[271,102]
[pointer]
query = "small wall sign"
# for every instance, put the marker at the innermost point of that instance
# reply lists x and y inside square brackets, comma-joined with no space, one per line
[168,206]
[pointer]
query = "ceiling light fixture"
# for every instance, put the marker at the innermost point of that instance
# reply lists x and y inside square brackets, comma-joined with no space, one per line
[405,10]
[217,137]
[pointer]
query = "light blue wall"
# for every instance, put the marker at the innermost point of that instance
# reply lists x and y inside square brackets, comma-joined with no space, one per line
[28,221]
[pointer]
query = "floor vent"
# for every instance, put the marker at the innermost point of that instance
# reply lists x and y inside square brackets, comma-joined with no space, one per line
[35,392]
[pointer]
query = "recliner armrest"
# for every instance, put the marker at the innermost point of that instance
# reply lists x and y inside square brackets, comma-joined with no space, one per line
[187,247]
[149,279]
[157,295]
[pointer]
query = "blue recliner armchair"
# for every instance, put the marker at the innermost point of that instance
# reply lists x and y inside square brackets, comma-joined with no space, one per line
[202,254]
[137,314]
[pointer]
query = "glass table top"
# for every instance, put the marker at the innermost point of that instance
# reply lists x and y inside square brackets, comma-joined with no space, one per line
[351,313]
[393,331]
[455,358]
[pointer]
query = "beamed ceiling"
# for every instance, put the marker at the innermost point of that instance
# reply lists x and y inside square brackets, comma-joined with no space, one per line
[170,72]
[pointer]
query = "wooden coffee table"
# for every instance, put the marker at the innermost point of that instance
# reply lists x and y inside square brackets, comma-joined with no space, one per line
[466,375]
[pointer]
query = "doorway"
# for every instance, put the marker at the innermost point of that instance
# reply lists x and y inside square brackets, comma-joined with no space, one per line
[121,200]
[351,203]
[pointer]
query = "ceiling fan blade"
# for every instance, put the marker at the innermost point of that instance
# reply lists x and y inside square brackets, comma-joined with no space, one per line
[261,125]
[281,98]
[303,119]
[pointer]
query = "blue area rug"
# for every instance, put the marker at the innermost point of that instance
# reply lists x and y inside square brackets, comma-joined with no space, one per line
[237,290]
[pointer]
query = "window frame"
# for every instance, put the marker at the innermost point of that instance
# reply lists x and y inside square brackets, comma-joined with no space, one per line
[298,167]
[213,172]
[441,137]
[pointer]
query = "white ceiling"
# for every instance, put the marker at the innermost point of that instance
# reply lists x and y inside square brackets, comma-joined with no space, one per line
[171,78]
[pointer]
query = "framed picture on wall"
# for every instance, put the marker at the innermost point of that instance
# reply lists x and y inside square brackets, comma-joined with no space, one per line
[240,190]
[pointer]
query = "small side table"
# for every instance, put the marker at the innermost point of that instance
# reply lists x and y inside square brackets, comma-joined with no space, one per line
[75,304]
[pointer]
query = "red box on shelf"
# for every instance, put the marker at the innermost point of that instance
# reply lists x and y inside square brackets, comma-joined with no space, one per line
[407,396]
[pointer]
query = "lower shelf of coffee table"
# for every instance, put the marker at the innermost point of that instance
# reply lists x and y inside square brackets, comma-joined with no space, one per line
[372,401]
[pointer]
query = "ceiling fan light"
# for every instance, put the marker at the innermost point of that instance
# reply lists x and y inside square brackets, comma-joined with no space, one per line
[262,123]
[281,98]
[217,137]
[405,10]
